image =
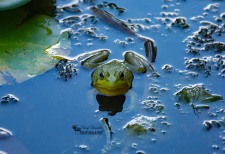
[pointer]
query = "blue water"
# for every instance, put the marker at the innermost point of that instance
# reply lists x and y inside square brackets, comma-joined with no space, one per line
[41,122]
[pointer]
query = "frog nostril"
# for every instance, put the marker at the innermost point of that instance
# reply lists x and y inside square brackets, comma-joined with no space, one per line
[101,74]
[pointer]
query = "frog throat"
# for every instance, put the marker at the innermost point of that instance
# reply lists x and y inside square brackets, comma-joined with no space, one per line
[111,89]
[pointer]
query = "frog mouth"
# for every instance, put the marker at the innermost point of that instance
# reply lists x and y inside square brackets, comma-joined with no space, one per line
[112,90]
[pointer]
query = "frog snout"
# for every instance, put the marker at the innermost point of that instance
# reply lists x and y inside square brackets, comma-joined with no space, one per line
[112,79]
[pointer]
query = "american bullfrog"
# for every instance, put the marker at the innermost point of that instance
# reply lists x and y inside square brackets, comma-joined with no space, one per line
[114,77]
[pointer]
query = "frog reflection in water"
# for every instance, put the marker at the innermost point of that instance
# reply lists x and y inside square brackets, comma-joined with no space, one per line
[114,77]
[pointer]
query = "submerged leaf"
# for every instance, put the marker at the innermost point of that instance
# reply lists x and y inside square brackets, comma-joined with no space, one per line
[24,43]
[197,92]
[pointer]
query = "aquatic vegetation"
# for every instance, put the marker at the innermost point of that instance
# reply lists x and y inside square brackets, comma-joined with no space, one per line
[137,129]
[213,7]
[92,32]
[153,96]
[209,123]
[144,124]
[4,133]
[172,19]
[9,98]
[66,69]
[107,128]
[113,20]
[167,68]
[74,8]
[206,41]
[199,65]
[222,73]
[12,4]
[150,47]
[150,50]
[196,93]
[154,105]
[76,21]
[141,125]
[23,54]
[207,64]
[205,36]
[217,46]
[180,22]
[112,6]
[84,147]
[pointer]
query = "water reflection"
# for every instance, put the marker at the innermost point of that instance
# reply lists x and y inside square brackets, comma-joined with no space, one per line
[112,104]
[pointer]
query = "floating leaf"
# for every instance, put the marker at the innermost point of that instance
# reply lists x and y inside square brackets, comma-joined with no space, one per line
[137,129]
[197,92]
[24,44]
[12,4]
[140,125]
[212,98]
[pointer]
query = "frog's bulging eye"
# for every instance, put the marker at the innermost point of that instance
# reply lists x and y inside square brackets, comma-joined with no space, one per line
[121,75]
[101,74]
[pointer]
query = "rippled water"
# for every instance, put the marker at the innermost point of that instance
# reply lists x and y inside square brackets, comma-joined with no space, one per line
[49,110]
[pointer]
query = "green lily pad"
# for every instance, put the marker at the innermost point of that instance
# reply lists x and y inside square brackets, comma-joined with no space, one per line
[25,45]
[195,93]
[12,4]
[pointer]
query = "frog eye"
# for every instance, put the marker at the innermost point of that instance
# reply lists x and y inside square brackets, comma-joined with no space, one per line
[121,75]
[101,74]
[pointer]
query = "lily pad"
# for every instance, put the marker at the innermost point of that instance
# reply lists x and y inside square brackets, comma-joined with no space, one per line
[12,4]
[25,44]
[195,93]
